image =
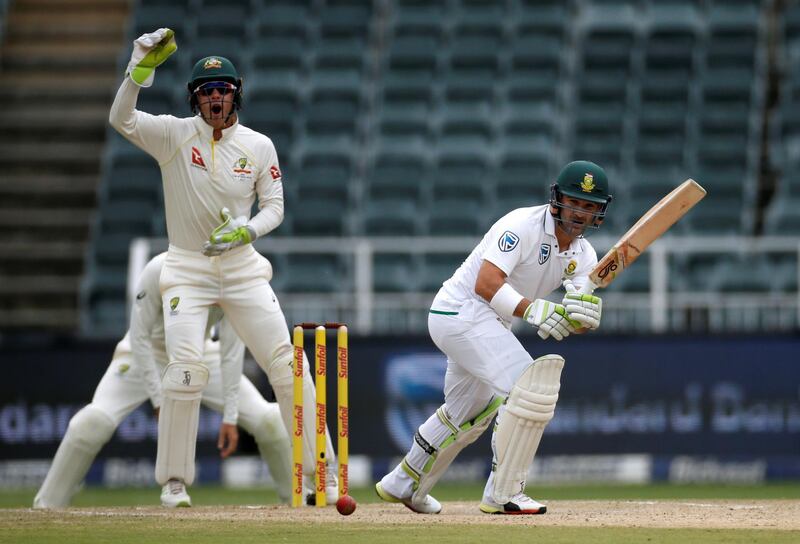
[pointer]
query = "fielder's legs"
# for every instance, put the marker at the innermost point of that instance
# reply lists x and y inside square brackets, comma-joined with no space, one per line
[253,309]
[186,304]
[119,392]
[263,420]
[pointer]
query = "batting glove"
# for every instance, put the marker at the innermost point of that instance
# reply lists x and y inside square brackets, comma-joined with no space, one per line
[149,51]
[550,318]
[586,309]
[230,234]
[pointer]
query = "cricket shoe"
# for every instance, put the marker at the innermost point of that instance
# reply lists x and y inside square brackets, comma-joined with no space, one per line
[426,505]
[331,489]
[520,504]
[174,495]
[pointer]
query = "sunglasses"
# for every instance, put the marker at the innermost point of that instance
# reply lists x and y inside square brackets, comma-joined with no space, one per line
[223,87]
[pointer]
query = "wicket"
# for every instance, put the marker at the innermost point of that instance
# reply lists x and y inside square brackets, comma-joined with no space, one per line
[320,357]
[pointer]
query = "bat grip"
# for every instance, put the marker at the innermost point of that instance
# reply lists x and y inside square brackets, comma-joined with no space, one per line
[588,288]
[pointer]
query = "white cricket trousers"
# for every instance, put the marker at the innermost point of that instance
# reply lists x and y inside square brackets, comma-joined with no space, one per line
[484,358]
[238,282]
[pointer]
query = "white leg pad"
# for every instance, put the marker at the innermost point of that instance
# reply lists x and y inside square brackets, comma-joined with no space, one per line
[450,440]
[276,449]
[87,432]
[279,374]
[529,408]
[182,387]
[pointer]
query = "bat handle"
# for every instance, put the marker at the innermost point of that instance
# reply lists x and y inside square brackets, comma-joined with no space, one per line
[588,288]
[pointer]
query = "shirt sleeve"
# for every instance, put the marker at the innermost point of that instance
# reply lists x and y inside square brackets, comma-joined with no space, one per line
[146,312]
[231,363]
[505,246]
[148,132]
[269,188]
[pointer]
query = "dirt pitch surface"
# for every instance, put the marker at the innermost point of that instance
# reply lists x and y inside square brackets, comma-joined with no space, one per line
[701,514]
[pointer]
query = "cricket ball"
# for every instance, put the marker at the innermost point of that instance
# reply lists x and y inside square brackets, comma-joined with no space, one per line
[346,505]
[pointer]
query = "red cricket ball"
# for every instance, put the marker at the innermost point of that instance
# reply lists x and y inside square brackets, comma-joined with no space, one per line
[346,505]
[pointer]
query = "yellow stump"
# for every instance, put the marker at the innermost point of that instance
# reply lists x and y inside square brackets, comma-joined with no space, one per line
[322,403]
[343,408]
[297,420]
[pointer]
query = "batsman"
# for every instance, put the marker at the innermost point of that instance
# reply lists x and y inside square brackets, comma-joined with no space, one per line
[213,170]
[525,256]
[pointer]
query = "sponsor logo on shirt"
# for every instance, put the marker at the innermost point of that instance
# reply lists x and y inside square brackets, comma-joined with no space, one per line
[275,172]
[544,253]
[508,241]
[197,159]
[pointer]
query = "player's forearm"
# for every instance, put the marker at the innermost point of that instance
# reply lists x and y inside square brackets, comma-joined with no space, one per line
[123,111]
[270,216]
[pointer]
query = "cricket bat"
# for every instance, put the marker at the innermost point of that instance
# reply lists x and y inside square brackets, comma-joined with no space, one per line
[655,222]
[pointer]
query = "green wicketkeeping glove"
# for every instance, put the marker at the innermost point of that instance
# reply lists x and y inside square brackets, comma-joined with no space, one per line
[230,234]
[149,51]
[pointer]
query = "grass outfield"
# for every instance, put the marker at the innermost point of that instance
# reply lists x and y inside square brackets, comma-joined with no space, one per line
[597,514]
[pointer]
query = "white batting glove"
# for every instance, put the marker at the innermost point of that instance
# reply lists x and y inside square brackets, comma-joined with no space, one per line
[149,51]
[586,309]
[550,318]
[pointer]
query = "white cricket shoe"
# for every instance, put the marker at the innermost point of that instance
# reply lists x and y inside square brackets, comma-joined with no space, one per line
[174,495]
[520,504]
[331,488]
[426,505]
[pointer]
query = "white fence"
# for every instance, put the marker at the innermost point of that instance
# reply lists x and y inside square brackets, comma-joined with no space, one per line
[757,305]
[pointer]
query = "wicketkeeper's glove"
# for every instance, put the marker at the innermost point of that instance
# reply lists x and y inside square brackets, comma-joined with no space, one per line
[149,51]
[586,309]
[230,234]
[550,318]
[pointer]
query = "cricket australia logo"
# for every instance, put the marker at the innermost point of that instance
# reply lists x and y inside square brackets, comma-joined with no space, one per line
[173,305]
[508,241]
[187,378]
[544,253]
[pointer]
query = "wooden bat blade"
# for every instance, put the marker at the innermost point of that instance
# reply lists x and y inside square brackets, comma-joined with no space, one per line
[655,222]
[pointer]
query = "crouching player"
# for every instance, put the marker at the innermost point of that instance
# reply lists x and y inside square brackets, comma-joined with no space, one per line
[134,375]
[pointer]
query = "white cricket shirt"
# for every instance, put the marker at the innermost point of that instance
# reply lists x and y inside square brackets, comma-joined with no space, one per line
[200,175]
[522,244]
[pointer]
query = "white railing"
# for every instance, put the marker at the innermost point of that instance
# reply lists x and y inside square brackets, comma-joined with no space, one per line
[657,310]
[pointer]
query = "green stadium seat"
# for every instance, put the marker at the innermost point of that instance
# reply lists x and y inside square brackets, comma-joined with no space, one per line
[395,272]
[437,268]
[315,273]
[134,179]
[387,215]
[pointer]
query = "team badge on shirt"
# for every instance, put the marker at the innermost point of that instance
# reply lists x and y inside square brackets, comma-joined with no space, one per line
[173,305]
[544,253]
[241,172]
[569,271]
[508,241]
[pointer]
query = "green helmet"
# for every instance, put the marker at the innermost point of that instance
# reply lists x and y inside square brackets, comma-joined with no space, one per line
[214,68]
[583,180]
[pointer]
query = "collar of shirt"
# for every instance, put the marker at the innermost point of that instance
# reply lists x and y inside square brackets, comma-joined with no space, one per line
[208,131]
[575,248]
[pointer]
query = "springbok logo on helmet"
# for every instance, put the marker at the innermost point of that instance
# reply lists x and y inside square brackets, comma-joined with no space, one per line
[212,63]
[588,183]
